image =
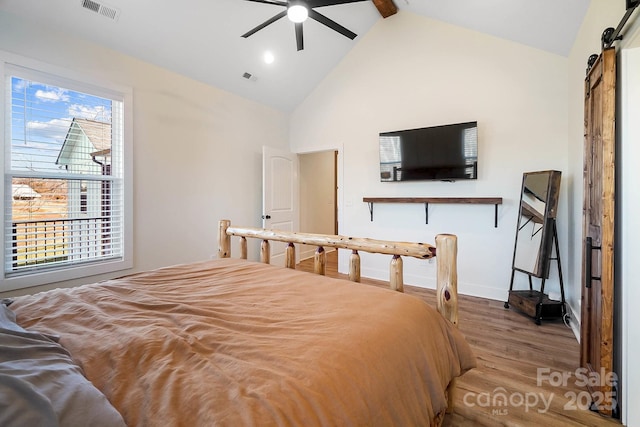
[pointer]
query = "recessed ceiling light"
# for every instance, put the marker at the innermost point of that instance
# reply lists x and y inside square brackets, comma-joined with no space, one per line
[269,58]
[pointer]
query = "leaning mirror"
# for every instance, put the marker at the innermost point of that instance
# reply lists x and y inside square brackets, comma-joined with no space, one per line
[538,205]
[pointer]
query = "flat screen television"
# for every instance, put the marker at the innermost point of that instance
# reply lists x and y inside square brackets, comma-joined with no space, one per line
[445,153]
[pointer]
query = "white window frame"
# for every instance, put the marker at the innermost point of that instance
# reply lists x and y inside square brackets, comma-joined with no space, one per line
[71,80]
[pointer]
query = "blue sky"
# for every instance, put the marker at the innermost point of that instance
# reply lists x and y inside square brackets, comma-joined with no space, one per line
[40,118]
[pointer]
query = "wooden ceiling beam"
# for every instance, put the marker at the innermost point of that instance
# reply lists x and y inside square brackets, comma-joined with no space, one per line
[386,7]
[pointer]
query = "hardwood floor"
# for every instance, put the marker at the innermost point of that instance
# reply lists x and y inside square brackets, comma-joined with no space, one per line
[510,349]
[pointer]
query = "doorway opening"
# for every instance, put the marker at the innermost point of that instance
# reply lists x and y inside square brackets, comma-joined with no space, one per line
[318,195]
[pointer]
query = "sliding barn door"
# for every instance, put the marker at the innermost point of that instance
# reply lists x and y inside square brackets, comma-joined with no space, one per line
[596,353]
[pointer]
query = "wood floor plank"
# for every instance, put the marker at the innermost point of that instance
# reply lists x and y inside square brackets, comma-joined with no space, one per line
[510,348]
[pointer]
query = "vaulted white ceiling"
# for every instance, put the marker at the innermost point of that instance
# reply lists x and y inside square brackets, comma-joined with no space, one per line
[201,38]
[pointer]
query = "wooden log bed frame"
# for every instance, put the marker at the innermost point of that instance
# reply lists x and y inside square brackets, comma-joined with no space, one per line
[233,342]
[446,250]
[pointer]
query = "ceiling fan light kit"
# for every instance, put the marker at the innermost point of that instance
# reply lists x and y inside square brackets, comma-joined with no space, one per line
[298,11]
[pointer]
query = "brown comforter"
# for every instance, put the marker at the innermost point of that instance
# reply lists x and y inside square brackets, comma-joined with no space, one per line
[235,343]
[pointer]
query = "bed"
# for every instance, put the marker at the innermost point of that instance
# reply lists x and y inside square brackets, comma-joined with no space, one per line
[232,342]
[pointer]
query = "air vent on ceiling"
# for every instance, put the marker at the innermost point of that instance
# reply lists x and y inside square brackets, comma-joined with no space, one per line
[102,9]
[250,77]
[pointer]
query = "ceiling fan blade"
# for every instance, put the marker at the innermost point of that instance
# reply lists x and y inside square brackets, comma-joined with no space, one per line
[274,2]
[321,3]
[332,24]
[299,38]
[265,23]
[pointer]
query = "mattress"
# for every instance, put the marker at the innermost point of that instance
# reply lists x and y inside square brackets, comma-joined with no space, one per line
[236,343]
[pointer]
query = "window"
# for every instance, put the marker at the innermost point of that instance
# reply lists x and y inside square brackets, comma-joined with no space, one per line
[65,189]
[390,158]
[470,143]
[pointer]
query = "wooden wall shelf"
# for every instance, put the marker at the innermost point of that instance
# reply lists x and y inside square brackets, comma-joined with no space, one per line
[426,200]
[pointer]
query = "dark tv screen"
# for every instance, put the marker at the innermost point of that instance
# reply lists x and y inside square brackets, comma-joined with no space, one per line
[445,153]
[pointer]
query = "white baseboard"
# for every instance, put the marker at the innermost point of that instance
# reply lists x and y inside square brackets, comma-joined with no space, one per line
[464,288]
[574,321]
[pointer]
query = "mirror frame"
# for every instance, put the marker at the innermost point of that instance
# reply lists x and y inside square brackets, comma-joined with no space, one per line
[526,215]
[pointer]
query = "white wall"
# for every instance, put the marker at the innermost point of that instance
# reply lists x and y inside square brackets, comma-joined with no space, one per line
[630,232]
[629,226]
[197,149]
[408,72]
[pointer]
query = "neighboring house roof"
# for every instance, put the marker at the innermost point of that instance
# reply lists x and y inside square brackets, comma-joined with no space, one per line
[23,192]
[97,133]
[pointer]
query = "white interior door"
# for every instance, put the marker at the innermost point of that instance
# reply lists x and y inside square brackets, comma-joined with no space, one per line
[279,195]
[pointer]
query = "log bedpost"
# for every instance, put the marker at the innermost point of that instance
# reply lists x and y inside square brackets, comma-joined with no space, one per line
[447,290]
[396,281]
[447,276]
[354,266]
[243,247]
[265,252]
[290,256]
[320,261]
[224,240]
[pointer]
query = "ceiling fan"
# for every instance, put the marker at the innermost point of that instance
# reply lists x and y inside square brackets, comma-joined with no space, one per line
[298,11]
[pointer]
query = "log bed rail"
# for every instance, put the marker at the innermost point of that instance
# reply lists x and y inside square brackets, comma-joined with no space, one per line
[446,248]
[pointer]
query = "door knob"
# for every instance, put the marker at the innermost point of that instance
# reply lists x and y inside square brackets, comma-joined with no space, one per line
[266,216]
